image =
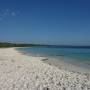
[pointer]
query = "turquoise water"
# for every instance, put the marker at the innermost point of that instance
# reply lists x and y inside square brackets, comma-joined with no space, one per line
[77,56]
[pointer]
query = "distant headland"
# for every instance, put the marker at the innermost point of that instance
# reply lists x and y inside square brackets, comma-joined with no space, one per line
[7,44]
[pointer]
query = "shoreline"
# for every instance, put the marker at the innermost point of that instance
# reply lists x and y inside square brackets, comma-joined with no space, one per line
[21,72]
[59,63]
[66,66]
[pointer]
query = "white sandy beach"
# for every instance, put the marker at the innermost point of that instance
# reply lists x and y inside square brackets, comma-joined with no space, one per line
[21,72]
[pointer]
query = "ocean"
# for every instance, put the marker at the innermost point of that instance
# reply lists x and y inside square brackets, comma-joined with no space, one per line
[77,56]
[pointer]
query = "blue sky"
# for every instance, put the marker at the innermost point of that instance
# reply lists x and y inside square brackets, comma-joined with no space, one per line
[63,22]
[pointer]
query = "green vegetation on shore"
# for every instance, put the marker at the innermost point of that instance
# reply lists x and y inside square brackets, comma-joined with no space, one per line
[2,45]
[6,45]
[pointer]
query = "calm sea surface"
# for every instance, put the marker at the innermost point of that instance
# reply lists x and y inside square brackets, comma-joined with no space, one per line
[78,56]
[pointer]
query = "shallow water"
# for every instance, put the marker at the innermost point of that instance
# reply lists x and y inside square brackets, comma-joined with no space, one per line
[77,56]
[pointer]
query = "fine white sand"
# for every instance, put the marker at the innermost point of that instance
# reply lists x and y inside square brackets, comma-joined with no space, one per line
[21,72]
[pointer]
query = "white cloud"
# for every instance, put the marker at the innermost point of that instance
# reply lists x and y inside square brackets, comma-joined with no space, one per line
[5,13]
[13,13]
[7,10]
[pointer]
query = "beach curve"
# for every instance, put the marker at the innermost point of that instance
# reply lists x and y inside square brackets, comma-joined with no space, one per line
[22,72]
